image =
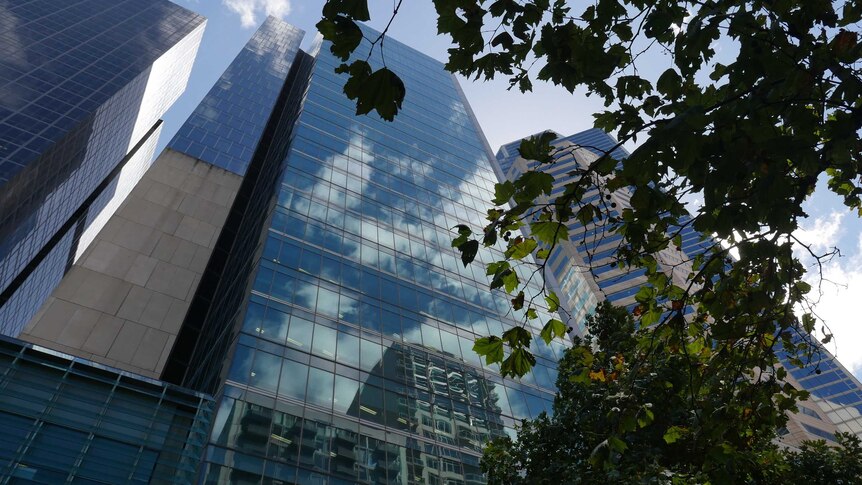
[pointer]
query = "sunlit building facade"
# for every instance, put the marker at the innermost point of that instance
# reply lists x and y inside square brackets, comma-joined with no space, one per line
[586,271]
[337,337]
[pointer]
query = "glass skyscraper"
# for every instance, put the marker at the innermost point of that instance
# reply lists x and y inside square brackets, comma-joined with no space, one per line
[227,125]
[83,84]
[337,337]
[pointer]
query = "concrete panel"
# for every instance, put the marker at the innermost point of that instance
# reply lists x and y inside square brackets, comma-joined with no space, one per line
[92,289]
[123,302]
[78,328]
[135,236]
[156,310]
[141,269]
[164,195]
[184,254]
[100,341]
[171,280]
[150,349]
[174,318]
[127,341]
[135,303]
[109,258]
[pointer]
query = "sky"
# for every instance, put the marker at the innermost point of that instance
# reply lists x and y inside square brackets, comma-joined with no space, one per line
[507,115]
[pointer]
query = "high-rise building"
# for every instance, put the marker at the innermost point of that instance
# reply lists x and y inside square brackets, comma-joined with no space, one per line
[336,334]
[586,272]
[122,302]
[83,84]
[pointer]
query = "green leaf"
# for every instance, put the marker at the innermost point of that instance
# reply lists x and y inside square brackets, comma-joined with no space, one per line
[518,363]
[627,423]
[645,294]
[673,434]
[468,251]
[652,316]
[510,281]
[355,9]
[381,90]
[533,184]
[517,337]
[538,147]
[518,301]
[549,232]
[808,322]
[464,233]
[521,249]
[617,444]
[553,329]
[553,301]
[646,417]
[343,33]
[503,191]
[489,347]
[669,83]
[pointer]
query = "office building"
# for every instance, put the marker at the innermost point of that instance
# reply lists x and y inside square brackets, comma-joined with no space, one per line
[336,334]
[83,84]
[122,302]
[66,420]
[585,271]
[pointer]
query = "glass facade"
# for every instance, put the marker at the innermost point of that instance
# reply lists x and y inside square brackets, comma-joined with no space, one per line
[833,388]
[227,125]
[82,83]
[348,318]
[66,420]
[38,279]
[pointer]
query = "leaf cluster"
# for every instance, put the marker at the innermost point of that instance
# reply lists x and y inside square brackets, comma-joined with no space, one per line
[751,135]
[640,406]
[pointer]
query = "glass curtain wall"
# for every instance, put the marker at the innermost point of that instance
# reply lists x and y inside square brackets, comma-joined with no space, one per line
[352,355]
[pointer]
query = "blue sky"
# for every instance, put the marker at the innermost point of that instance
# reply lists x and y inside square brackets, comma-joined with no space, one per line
[508,115]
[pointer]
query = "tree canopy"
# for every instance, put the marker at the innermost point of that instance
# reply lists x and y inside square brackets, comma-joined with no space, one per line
[621,418]
[751,133]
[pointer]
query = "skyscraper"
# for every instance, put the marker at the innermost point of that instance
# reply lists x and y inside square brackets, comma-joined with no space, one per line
[585,270]
[336,334]
[122,302]
[83,84]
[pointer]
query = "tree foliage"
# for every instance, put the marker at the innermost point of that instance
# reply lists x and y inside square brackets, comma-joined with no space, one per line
[751,133]
[622,418]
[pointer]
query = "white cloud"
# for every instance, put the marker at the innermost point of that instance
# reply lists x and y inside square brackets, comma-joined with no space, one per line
[836,296]
[822,235]
[248,10]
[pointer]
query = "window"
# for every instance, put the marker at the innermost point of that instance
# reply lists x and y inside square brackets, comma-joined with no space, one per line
[320,384]
[293,379]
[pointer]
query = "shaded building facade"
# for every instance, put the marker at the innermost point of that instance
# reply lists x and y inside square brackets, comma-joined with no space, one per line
[83,84]
[67,420]
[123,302]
